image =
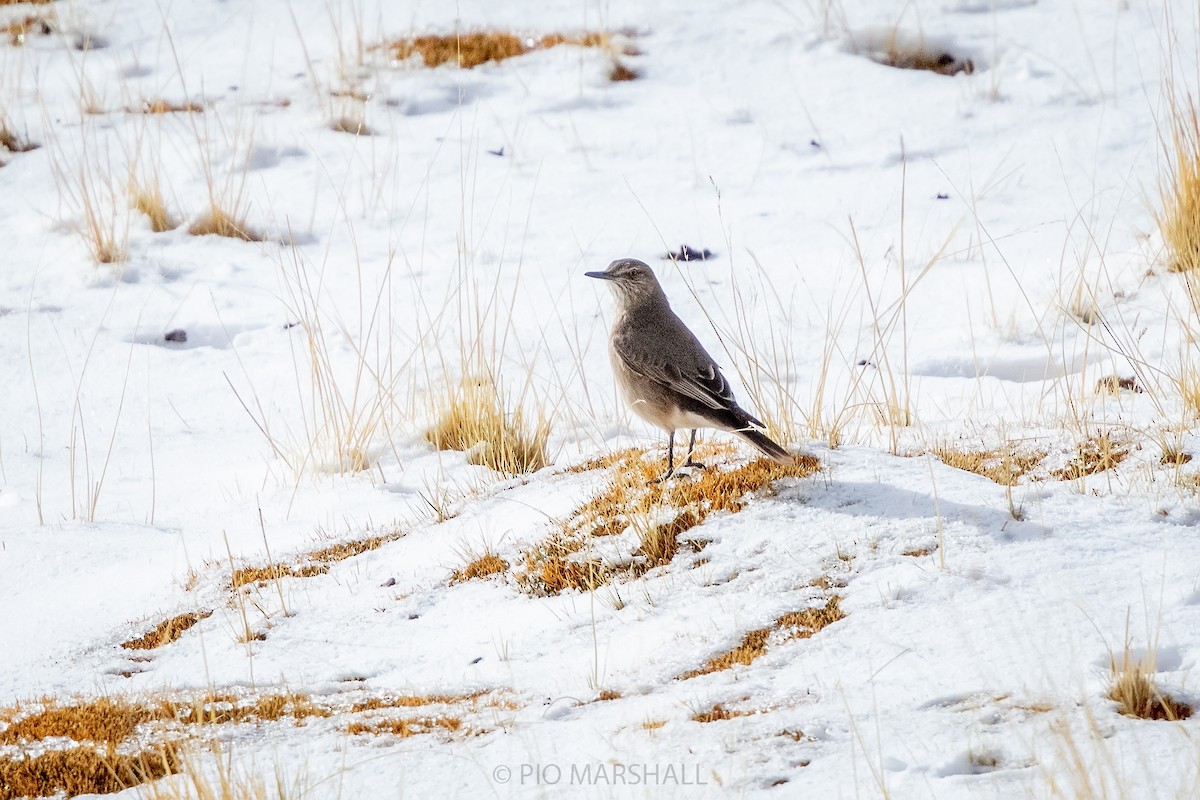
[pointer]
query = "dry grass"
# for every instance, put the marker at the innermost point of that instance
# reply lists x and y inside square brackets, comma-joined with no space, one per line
[13,142]
[312,563]
[149,201]
[470,50]
[169,107]
[902,52]
[485,566]
[719,713]
[653,724]
[630,500]
[84,770]
[218,222]
[1133,689]
[244,576]
[416,701]
[408,726]
[1093,455]
[18,30]
[793,625]
[166,631]
[1115,384]
[473,420]
[918,552]
[1179,189]
[1003,465]
[103,720]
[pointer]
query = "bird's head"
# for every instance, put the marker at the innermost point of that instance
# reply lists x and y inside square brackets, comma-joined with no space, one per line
[633,281]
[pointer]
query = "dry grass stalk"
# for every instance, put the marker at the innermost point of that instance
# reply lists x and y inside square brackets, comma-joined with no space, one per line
[470,50]
[85,770]
[149,201]
[166,631]
[631,501]
[483,567]
[1134,691]
[1003,465]
[1179,188]
[793,625]
[1094,455]
[473,420]
[219,223]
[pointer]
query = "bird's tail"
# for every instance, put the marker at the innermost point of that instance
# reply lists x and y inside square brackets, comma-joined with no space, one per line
[766,445]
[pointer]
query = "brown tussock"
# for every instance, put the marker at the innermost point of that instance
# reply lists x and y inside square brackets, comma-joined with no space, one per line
[416,701]
[169,107]
[350,125]
[1094,455]
[653,724]
[1134,691]
[1179,190]
[19,30]
[793,625]
[608,694]
[917,552]
[312,563]
[630,500]
[103,720]
[718,713]
[1003,465]
[908,55]
[219,223]
[149,201]
[85,770]
[351,548]
[483,567]
[474,421]
[14,143]
[245,576]
[470,50]
[409,726]
[166,631]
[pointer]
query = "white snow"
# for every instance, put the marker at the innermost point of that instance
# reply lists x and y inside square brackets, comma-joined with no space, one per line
[981,246]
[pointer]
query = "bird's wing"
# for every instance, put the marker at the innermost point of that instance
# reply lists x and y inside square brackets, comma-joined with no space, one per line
[689,371]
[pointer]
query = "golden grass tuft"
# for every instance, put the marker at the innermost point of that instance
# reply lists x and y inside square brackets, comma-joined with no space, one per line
[219,223]
[470,50]
[13,142]
[166,631]
[408,726]
[1133,689]
[18,30]
[84,770]
[1179,189]
[793,625]
[719,713]
[169,107]
[485,566]
[244,576]
[904,53]
[630,500]
[352,547]
[1093,455]
[149,201]
[102,720]
[473,420]
[918,552]
[416,701]
[1003,465]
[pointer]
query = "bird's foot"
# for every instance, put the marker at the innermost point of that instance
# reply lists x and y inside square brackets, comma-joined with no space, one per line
[666,476]
[691,463]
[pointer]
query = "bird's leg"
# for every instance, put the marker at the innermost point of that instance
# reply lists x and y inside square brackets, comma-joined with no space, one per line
[691,447]
[670,459]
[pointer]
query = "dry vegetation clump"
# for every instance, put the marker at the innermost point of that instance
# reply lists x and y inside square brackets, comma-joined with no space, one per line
[1094,455]
[13,142]
[903,52]
[149,201]
[473,420]
[166,631]
[719,712]
[470,50]
[19,30]
[660,513]
[407,726]
[220,223]
[1115,384]
[1134,691]
[1179,189]
[793,625]
[1004,465]
[170,107]
[313,563]
[85,770]
[485,566]
[103,721]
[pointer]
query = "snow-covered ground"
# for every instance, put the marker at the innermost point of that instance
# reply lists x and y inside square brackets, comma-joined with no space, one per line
[968,254]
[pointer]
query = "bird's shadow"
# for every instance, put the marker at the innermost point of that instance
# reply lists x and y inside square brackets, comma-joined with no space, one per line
[881,501]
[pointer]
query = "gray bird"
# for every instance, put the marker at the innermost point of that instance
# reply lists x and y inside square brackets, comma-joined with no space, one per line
[663,371]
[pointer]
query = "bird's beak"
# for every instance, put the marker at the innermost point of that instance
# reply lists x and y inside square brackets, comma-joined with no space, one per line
[604,276]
